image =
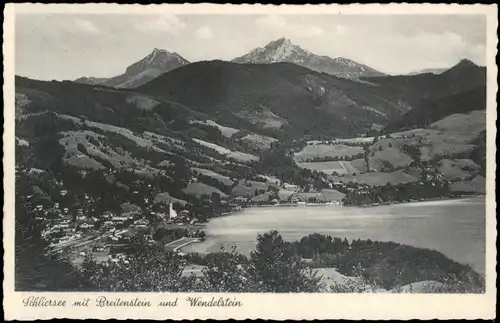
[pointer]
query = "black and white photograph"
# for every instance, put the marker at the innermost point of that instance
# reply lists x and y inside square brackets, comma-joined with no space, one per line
[251,153]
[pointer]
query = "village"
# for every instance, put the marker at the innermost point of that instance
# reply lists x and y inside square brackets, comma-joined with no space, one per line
[81,239]
[76,231]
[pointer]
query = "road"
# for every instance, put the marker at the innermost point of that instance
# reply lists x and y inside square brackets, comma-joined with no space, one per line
[87,240]
[345,168]
[348,168]
[182,242]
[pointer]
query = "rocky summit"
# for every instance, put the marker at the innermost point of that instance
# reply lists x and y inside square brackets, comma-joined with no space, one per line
[283,50]
[159,61]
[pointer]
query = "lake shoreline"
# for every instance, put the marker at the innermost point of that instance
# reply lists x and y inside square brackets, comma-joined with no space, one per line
[294,205]
[337,221]
[461,197]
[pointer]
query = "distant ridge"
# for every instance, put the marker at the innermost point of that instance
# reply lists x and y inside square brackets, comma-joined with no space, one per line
[415,89]
[436,71]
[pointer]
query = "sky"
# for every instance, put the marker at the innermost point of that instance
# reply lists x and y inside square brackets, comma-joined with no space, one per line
[68,46]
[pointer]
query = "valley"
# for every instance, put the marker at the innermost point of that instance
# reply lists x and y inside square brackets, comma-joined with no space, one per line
[101,165]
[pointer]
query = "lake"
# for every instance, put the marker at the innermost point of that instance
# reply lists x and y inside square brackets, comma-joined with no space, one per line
[455,228]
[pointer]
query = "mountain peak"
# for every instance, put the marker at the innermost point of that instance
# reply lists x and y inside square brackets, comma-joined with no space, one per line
[158,59]
[154,64]
[273,45]
[465,62]
[283,50]
[281,41]
[157,52]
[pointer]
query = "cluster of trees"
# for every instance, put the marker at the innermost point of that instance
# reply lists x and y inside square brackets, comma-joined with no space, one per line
[336,158]
[478,155]
[213,134]
[412,151]
[207,206]
[272,267]
[433,110]
[400,193]
[340,141]
[211,181]
[318,244]
[34,269]
[279,163]
[388,265]
[165,235]
[99,103]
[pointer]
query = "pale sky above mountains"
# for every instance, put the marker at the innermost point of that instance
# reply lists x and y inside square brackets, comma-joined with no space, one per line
[68,46]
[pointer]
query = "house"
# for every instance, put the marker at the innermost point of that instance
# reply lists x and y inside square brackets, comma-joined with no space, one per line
[184,213]
[290,186]
[86,226]
[107,224]
[235,207]
[141,222]
[240,199]
[119,219]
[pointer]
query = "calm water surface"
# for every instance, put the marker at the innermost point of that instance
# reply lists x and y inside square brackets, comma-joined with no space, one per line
[452,227]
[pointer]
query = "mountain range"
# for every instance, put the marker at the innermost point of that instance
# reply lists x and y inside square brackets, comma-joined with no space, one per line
[282,50]
[281,100]
[285,97]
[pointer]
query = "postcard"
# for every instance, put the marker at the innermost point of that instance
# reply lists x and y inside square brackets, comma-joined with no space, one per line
[205,161]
